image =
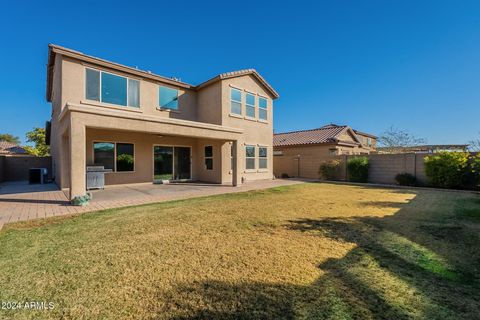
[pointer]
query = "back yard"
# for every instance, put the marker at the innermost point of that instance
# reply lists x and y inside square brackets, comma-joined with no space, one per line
[304,251]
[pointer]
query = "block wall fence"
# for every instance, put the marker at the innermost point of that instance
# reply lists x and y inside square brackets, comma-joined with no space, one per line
[383,167]
[15,168]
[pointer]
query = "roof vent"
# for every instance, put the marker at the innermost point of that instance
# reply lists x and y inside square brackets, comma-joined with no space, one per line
[175,79]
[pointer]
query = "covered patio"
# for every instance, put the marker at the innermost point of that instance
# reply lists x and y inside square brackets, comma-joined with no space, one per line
[20,201]
[83,127]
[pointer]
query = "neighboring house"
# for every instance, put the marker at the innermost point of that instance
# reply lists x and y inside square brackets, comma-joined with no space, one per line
[8,148]
[331,139]
[431,148]
[149,128]
[299,153]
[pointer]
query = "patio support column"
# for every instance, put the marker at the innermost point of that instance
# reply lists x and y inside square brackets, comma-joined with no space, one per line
[236,174]
[77,159]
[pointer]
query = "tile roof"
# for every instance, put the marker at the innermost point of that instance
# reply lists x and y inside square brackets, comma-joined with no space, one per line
[325,134]
[10,148]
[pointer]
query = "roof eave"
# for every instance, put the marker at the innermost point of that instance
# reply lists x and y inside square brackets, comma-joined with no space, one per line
[252,72]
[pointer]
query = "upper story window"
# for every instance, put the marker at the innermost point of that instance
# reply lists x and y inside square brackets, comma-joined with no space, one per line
[110,88]
[369,142]
[262,108]
[168,98]
[250,105]
[235,101]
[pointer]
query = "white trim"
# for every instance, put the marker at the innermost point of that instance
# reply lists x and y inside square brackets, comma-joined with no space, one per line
[235,87]
[250,119]
[235,115]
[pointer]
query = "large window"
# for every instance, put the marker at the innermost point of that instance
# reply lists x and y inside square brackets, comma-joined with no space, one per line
[168,98]
[209,157]
[125,157]
[262,157]
[250,105]
[262,108]
[235,101]
[109,88]
[119,157]
[249,157]
[104,154]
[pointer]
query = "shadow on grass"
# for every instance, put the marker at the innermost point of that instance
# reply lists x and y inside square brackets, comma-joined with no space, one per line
[402,267]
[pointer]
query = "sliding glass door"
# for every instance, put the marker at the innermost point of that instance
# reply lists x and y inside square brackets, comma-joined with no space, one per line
[171,163]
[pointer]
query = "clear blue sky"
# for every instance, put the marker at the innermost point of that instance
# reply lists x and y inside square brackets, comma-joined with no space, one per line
[370,64]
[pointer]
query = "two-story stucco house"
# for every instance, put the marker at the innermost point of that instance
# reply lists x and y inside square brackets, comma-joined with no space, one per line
[149,128]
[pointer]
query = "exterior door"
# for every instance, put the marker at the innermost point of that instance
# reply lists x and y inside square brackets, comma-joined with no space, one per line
[162,163]
[181,167]
[171,163]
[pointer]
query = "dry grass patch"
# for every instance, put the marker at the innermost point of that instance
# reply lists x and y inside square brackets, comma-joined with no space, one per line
[304,251]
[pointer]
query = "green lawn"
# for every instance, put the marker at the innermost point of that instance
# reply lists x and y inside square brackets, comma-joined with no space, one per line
[311,251]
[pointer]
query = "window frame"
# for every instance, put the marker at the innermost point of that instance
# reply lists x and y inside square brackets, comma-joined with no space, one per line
[247,105]
[128,79]
[260,108]
[167,108]
[114,170]
[254,157]
[205,158]
[240,102]
[263,158]
[116,155]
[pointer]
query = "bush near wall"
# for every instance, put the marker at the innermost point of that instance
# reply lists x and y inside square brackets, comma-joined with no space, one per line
[476,169]
[406,179]
[358,169]
[328,169]
[447,169]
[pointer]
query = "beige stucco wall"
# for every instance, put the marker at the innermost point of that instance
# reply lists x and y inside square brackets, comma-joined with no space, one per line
[77,121]
[143,149]
[257,132]
[73,88]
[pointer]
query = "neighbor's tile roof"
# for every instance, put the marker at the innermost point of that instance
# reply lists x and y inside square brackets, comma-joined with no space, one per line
[325,134]
[10,148]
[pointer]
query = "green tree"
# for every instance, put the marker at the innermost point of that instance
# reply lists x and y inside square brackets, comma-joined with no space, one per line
[9,138]
[37,136]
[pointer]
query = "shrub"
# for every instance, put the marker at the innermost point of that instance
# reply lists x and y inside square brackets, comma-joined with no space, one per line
[447,169]
[406,179]
[358,169]
[328,169]
[476,168]
[125,162]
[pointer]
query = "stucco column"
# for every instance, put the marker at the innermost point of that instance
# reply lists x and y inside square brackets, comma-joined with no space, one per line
[237,163]
[77,159]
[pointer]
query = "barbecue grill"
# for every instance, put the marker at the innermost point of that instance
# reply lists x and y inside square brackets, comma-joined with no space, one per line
[96,177]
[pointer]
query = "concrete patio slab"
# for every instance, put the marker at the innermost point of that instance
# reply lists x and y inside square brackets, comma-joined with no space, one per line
[20,201]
